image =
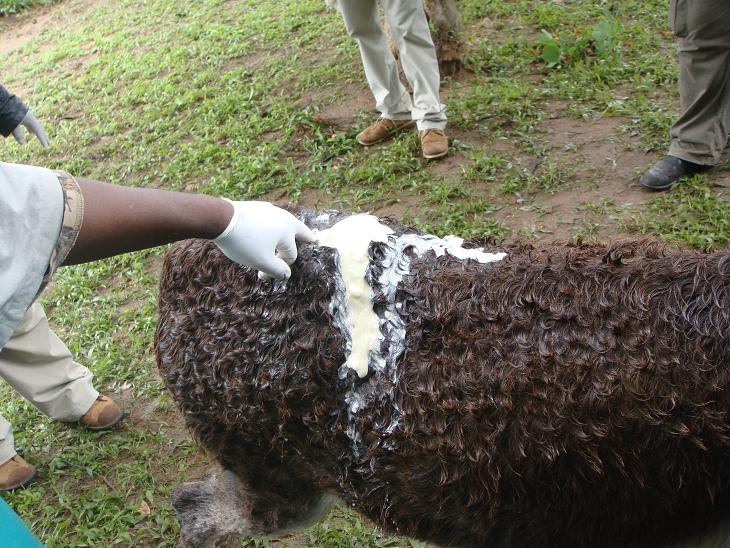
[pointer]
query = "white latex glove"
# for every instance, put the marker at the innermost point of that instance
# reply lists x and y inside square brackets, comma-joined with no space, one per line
[33,126]
[263,236]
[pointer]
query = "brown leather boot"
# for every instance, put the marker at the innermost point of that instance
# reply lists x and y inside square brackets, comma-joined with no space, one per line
[102,415]
[434,143]
[16,474]
[381,129]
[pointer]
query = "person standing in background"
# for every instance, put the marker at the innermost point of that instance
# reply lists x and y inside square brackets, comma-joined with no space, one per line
[35,361]
[49,219]
[409,26]
[700,134]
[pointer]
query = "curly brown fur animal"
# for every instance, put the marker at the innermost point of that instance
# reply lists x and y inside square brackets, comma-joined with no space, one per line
[565,396]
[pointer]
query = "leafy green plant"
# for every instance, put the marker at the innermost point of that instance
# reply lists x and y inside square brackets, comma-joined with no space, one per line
[599,42]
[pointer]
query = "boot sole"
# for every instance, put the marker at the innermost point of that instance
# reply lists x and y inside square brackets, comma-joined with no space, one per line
[657,188]
[434,156]
[106,426]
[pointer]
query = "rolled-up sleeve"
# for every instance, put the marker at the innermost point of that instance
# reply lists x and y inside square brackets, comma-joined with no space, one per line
[31,213]
[12,112]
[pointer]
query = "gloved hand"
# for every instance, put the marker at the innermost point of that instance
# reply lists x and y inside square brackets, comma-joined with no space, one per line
[263,236]
[32,125]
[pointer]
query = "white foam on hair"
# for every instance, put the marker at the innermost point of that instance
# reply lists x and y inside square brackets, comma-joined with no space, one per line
[323,217]
[352,238]
[374,342]
[352,306]
[395,267]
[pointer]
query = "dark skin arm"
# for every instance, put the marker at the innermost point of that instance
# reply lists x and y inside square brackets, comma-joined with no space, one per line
[120,219]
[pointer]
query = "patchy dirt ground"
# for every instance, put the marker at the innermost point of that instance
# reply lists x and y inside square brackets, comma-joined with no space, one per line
[607,163]
[17,30]
[607,168]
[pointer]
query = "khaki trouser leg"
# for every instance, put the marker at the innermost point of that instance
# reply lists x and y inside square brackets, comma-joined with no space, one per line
[361,21]
[409,26]
[39,366]
[700,134]
[7,446]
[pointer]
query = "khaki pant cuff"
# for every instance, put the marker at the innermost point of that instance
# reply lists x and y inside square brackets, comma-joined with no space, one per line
[82,405]
[701,159]
[397,117]
[426,124]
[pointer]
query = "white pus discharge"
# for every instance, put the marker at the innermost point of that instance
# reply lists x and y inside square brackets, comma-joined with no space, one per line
[396,266]
[352,237]
[372,341]
[364,330]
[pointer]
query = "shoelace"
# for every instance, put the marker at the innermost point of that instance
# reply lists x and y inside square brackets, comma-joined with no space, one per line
[426,132]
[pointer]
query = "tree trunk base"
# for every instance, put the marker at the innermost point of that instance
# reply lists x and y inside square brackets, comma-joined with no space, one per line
[444,16]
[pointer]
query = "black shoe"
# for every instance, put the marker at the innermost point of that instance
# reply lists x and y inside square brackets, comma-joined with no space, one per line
[664,174]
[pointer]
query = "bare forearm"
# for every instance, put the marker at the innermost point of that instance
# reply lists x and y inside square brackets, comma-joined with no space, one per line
[120,219]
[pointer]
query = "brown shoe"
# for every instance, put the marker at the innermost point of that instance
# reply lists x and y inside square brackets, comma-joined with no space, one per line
[16,474]
[434,143]
[102,415]
[381,129]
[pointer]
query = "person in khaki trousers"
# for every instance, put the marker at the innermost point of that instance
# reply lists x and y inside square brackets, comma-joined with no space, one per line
[700,134]
[40,368]
[49,219]
[409,26]
[34,361]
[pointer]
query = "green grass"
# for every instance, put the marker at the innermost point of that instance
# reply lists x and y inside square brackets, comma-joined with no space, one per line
[693,214]
[227,98]
[16,6]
